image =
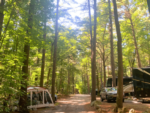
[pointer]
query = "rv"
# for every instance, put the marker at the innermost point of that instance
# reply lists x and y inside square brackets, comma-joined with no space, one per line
[141,83]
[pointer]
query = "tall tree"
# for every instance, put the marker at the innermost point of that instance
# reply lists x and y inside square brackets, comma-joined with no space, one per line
[111,46]
[51,59]
[88,85]
[120,64]
[23,97]
[55,55]
[91,38]
[43,52]
[2,3]
[90,25]
[94,55]
[135,41]
[148,2]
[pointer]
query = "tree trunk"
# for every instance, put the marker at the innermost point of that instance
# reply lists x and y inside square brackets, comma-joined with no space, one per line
[43,55]
[111,47]
[49,71]
[135,43]
[60,83]
[73,82]
[23,98]
[149,60]
[38,60]
[104,70]
[148,3]
[90,21]
[1,16]
[68,86]
[97,80]
[104,58]
[91,39]
[94,55]
[55,55]
[88,85]
[120,64]
[101,75]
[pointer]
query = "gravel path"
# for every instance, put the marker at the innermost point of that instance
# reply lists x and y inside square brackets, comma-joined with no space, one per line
[74,104]
[80,103]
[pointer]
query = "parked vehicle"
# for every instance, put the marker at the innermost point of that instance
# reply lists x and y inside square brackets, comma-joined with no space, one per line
[128,90]
[126,81]
[127,85]
[141,83]
[109,93]
[96,92]
[37,97]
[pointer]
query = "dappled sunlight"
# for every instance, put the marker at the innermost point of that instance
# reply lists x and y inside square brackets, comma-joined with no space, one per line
[135,102]
[59,112]
[76,104]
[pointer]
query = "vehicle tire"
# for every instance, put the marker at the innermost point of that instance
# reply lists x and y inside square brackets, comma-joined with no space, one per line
[123,100]
[101,99]
[108,100]
[143,101]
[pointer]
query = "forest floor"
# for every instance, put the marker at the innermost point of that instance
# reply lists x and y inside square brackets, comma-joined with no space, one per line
[80,103]
[138,106]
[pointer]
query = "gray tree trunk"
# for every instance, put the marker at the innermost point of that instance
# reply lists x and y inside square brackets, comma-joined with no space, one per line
[43,55]
[55,55]
[135,42]
[120,63]
[94,55]
[23,98]
[111,47]
[1,16]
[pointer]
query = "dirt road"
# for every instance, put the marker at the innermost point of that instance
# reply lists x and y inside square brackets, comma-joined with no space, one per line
[80,103]
[74,104]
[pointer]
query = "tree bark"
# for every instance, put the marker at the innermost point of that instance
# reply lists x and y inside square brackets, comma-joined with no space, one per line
[101,69]
[23,97]
[73,81]
[120,64]
[149,60]
[94,55]
[38,60]
[104,69]
[49,71]
[135,42]
[97,80]
[88,85]
[90,21]
[1,16]
[91,39]
[60,83]
[43,54]
[111,47]
[55,55]
[68,86]
[148,3]
[104,59]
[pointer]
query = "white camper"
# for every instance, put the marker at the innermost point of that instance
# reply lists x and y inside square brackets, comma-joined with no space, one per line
[39,97]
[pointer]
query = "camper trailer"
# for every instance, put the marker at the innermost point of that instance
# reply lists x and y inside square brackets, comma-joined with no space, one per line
[141,82]
[39,97]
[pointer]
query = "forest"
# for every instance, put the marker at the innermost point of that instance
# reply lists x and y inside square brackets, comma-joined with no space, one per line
[42,43]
